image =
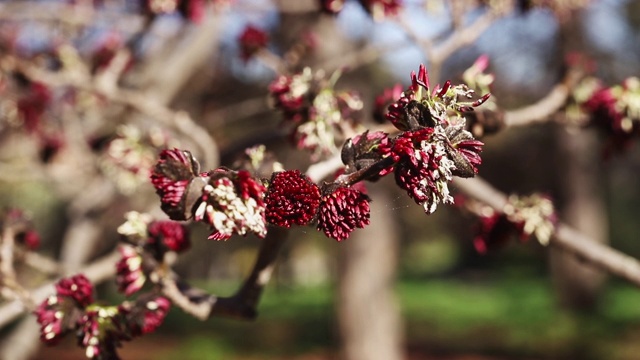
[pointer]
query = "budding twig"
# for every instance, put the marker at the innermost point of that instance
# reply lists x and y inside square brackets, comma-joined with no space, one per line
[564,236]
[97,272]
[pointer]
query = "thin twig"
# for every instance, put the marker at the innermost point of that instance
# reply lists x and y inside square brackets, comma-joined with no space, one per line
[142,102]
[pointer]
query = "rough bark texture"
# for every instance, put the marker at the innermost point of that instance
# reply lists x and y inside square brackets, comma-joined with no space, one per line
[577,283]
[368,316]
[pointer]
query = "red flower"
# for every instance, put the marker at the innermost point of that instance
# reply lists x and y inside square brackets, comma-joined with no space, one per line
[291,93]
[232,203]
[29,238]
[33,105]
[494,232]
[51,317]
[615,110]
[171,176]
[146,316]
[384,100]
[251,41]
[155,312]
[292,199]
[89,335]
[471,149]
[422,167]
[342,211]
[130,276]
[78,288]
[173,235]
[100,331]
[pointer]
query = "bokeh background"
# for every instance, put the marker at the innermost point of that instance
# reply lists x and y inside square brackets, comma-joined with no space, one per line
[439,298]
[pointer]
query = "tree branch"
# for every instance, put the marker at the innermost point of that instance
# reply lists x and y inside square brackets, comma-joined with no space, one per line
[564,237]
[97,272]
[243,304]
[544,108]
[140,101]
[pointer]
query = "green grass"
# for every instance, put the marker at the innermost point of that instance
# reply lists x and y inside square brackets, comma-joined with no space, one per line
[510,317]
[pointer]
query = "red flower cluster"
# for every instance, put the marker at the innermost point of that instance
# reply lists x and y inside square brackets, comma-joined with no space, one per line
[251,41]
[615,110]
[50,315]
[232,203]
[78,288]
[342,211]
[523,216]
[73,295]
[292,199]
[153,314]
[146,240]
[172,174]
[21,225]
[32,106]
[433,145]
[292,95]
[495,230]
[130,276]
[99,333]
[314,110]
[422,166]
[99,328]
[146,315]
[170,234]
[384,100]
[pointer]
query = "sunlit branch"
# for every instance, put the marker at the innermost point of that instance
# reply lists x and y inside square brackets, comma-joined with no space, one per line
[564,237]
[241,305]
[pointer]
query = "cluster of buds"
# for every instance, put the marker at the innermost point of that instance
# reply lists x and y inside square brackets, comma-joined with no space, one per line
[100,329]
[21,226]
[251,41]
[432,147]
[145,243]
[382,102]
[314,110]
[31,110]
[231,202]
[234,202]
[616,110]
[490,120]
[293,199]
[129,157]
[522,217]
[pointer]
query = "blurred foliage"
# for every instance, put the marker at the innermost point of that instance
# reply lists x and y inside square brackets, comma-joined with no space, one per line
[500,317]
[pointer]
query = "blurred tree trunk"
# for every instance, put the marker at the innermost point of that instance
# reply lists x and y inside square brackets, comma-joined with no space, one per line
[578,284]
[368,316]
